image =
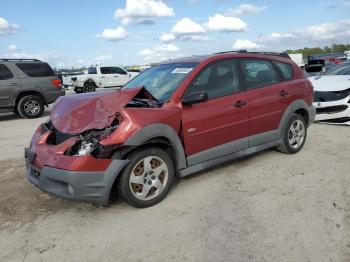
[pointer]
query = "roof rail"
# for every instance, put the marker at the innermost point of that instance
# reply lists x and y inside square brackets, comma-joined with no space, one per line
[282,54]
[19,60]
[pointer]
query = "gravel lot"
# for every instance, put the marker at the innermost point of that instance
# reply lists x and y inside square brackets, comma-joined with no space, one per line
[266,207]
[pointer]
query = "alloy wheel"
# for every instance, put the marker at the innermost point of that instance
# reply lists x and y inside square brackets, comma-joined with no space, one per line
[296,134]
[32,107]
[148,178]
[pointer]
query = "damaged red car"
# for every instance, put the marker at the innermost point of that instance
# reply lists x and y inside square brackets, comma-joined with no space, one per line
[174,119]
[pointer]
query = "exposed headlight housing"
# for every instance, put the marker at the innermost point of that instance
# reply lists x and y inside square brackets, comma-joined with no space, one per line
[85,148]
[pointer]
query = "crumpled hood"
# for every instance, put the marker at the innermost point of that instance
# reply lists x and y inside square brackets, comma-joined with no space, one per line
[330,82]
[74,114]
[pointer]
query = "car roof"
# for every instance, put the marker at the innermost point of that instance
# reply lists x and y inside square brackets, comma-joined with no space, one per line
[16,60]
[233,54]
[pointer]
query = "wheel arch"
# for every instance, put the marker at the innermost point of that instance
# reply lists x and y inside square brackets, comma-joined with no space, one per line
[297,107]
[89,81]
[26,93]
[165,137]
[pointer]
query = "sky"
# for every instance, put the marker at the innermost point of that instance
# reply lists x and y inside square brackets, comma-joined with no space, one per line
[79,33]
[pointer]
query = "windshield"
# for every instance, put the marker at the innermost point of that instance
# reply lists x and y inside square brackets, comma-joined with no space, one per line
[162,80]
[340,70]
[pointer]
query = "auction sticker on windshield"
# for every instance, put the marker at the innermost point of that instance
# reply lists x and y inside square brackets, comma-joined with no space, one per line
[182,70]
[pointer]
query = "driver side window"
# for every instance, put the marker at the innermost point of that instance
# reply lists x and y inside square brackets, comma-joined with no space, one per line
[218,80]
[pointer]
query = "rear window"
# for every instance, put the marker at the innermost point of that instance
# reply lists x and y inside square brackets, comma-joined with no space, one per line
[36,69]
[5,73]
[286,70]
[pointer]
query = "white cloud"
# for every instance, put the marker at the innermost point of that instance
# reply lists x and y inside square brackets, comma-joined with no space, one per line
[6,28]
[184,29]
[103,58]
[222,23]
[281,35]
[167,37]
[321,34]
[138,10]
[244,9]
[244,44]
[160,52]
[113,34]
[187,27]
[12,47]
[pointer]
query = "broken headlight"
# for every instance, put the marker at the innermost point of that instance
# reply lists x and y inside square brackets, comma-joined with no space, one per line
[85,148]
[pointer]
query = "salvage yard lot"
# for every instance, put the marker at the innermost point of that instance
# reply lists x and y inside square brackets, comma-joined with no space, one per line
[266,207]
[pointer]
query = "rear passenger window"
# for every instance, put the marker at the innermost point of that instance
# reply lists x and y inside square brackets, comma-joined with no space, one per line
[5,73]
[36,69]
[106,70]
[286,70]
[117,70]
[258,73]
[218,79]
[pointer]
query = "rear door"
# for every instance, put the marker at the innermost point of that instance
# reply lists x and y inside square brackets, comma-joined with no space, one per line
[121,77]
[8,85]
[114,76]
[219,126]
[267,97]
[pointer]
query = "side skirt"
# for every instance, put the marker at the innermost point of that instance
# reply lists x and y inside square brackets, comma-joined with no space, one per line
[223,159]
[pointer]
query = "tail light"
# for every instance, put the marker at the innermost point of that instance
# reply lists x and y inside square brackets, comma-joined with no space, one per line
[57,83]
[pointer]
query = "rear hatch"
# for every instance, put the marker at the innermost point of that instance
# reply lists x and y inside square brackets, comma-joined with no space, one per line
[39,74]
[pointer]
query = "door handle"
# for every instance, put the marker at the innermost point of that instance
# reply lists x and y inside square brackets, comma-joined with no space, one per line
[115,76]
[239,104]
[283,93]
[11,84]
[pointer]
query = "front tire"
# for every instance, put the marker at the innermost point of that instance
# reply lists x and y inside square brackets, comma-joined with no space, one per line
[294,135]
[30,106]
[147,178]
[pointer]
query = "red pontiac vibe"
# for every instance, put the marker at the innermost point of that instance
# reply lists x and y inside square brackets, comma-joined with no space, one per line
[174,119]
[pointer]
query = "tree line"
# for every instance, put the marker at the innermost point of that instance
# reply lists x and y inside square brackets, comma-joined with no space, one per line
[306,51]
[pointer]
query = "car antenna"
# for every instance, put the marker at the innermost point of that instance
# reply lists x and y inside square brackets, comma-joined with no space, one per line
[257,42]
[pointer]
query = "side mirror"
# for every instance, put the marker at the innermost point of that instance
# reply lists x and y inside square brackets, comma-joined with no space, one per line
[195,98]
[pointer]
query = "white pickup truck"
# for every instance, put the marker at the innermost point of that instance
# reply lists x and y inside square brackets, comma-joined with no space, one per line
[101,76]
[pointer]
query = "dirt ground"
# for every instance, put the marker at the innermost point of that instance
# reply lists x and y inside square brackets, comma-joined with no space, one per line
[266,207]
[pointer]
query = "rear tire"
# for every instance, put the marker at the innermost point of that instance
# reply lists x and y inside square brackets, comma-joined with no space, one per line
[147,179]
[89,87]
[30,106]
[294,135]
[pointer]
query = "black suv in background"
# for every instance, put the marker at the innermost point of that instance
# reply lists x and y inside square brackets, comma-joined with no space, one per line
[26,86]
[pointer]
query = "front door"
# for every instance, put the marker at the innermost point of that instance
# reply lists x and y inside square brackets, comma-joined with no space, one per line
[219,126]
[8,84]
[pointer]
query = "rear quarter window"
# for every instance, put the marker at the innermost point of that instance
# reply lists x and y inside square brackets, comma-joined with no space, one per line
[36,69]
[286,70]
[5,73]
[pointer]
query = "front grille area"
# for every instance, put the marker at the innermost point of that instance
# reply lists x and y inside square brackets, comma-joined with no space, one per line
[331,109]
[331,95]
